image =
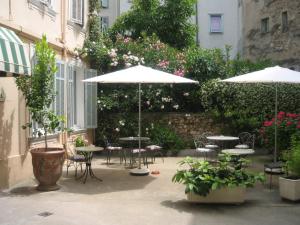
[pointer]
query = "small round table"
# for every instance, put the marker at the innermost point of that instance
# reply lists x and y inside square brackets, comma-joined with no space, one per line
[238,152]
[87,152]
[222,139]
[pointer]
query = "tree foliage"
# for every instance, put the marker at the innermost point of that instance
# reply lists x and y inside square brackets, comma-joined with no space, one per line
[170,20]
[38,89]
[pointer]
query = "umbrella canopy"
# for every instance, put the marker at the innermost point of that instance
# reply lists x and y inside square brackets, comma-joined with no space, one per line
[139,75]
[275,75]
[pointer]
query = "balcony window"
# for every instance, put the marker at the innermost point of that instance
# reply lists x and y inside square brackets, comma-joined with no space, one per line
[76,11]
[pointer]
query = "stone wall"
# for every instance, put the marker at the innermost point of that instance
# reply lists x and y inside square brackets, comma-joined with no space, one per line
[186,125]
[278,44]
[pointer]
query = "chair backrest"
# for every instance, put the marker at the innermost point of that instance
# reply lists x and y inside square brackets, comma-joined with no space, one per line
[247,138]
[198,143]
[70,149]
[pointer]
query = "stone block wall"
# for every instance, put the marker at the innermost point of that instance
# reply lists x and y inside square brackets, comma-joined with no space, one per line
[185,124]
[280,44]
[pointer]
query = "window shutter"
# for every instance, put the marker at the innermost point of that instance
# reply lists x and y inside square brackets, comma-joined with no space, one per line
[71,104]
[59,89]
[90,100]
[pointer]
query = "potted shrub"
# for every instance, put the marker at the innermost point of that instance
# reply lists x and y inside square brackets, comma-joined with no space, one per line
[39,93]
[289,185]
[219,183]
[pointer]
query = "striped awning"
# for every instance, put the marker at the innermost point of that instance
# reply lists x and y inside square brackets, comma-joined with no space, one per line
[13,57]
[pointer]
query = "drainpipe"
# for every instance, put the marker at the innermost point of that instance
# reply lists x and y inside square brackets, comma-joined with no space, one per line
[10,12]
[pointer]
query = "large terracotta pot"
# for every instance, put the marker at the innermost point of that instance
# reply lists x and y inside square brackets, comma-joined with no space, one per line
[47,167]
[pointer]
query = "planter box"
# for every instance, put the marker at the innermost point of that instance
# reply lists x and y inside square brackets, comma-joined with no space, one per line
[224,196]
[289,189]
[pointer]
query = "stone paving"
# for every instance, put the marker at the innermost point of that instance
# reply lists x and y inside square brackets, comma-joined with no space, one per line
[124,199]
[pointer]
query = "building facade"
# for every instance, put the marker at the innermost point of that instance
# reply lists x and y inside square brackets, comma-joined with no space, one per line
[272,30]
[64,24]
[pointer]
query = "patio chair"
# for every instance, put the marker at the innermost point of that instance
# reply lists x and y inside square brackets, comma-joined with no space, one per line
[135,153]
[72,158]
[152,151]
[208,143]
[111,148]
[201,149]
[247,141]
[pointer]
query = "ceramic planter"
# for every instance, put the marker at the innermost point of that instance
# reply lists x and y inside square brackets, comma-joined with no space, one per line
[47,167]
[222,196]
[289,188]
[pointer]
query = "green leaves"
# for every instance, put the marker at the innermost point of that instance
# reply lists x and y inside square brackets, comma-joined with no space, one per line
[38,89]
[201,177]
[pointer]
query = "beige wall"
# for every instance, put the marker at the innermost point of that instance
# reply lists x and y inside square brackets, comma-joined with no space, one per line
[30,22]
[15,162]
[112,12]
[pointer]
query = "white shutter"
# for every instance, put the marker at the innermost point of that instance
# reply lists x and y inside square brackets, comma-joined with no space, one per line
[71,96]
[90,100]
[59,102]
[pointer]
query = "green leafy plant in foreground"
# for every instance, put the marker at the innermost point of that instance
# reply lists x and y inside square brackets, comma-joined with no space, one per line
[201,177]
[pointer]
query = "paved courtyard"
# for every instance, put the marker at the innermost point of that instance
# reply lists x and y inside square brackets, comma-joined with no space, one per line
[124,199]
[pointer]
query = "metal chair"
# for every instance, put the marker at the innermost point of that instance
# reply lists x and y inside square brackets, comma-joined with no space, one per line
[247,141]
[208,143]
[200,148]
[111,148]
[154,150]
[72,158]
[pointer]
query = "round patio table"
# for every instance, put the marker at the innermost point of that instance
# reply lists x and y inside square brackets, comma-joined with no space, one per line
[238,152]
[87,152]
[222,139]
[133,139]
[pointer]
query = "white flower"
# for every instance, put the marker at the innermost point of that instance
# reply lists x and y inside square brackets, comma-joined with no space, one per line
[127,64]
[187,115]
[117,129]
[186,94]
[126,96]
[99,101]
[148,102]
[162,107]
[121,122]
[152,125]
[129,53]
[169,122]
[147,128]
[101,91]
[175,106]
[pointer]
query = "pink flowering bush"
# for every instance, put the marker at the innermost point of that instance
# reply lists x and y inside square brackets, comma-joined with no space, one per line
[287,125]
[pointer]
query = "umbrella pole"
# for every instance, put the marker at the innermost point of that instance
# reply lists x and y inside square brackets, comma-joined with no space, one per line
[276,108]
[140,126]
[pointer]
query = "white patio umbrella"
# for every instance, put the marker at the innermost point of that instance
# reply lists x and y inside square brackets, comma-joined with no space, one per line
[140,75]
[272,75]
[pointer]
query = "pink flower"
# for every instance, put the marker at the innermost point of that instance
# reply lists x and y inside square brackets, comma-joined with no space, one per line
[289,123]
[291,115]
[268,123]
[163,64]
[179,72]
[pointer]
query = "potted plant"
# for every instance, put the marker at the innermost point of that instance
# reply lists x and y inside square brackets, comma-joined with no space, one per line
[39,93]
[289,185]
[219,183]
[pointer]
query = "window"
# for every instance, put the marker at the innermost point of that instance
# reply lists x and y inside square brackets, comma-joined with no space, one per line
[104,24]
[59,102]
[265,25]
[216,23]
[104,3]
[76,11]
[285,22]
[72,99]
[90,100]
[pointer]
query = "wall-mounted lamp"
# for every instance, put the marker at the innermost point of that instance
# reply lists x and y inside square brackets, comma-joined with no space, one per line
[2,95]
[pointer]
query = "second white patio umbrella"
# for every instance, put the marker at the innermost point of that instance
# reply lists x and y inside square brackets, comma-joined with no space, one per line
[140,75]
[272,75]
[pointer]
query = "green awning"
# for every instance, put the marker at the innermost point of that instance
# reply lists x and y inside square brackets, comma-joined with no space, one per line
[13,57]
